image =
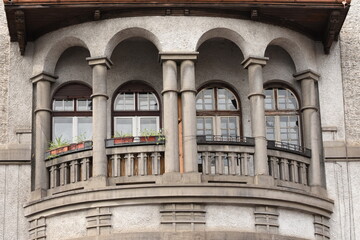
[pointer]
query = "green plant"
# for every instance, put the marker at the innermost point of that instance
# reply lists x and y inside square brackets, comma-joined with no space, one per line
[58,142]
[153,133]
[80,138]
[121,134]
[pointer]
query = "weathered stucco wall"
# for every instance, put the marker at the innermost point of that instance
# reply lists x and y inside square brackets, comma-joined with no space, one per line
[4,73]
[350,52]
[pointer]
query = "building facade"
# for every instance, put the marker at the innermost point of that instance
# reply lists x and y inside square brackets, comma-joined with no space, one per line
[196,120]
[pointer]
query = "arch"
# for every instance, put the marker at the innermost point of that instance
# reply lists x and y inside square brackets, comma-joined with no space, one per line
[129,33]
[83,87]
[278,83]
[228,34]
[297,53]
[48,63]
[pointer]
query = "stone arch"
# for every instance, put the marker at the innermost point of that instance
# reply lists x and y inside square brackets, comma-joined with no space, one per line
[129,33]
[226,33]
[48,62]
[300,56]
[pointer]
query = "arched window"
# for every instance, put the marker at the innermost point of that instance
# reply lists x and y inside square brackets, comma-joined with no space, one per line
[282,116]
[135,110]
[72,111]
[218,113]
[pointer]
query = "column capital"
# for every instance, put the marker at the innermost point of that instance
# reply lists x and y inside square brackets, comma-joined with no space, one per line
[254,60]
[178,56]
[103,60]
[306,74]
[43,76]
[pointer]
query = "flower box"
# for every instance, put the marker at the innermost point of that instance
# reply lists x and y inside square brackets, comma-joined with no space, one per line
[120,140]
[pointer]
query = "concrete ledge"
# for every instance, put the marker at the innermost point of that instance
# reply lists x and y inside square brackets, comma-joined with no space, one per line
[250,195]
[210,235]
[15,153]
[338,151]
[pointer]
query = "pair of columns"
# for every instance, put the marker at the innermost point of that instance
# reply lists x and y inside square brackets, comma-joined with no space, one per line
[170,92]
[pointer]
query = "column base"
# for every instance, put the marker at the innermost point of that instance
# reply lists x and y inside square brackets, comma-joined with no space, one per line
[97,182]
[185,178]
[318,190]
[264,180]
[38,194]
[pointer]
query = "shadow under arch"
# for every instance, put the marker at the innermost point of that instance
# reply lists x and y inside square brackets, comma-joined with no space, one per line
[225,33]
[130,33]
[299,57]
[53,55]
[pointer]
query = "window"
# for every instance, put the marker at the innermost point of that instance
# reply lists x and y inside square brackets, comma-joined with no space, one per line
[282,116]
[72,108]
[218,112]
[135,110]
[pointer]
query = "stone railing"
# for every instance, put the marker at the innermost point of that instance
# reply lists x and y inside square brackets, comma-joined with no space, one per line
[71,169]
[288,168]
[136,159]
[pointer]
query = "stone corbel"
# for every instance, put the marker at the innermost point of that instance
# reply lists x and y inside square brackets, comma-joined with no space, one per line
[20,30]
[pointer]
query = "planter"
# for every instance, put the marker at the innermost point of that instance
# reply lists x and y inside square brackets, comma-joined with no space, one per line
[68,149]
[148,139]
[120,140]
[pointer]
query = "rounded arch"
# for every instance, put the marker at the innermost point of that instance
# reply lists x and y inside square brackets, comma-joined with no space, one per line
[297,53]
[228,34]
[278,83]
[74,88]
[130,33]
[48,63]
[220,83]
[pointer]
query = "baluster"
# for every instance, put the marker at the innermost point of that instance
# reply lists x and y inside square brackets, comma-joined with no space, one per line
[62,174]
[284,169]
[155,156]
[141,164]
[296,171]
[232,162]
[72,171]
[219,163]
[145,164]
[111,166]
[302,176]
[129,164]
[88,168]
[56,176]
[238,164]
[52,174]
[83,169]
[115,163]
[244,164]
[272,167]
[207,163]
[77,171]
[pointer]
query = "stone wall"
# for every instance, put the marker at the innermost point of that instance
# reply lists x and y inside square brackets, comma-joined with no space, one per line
[4,71]
[350,51]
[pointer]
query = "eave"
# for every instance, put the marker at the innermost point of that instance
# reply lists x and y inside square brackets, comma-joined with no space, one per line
[321,20]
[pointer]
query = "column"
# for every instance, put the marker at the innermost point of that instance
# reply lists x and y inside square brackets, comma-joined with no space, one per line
[311,122]
[170,114]
[188,97]
[256,97]
[99,65]
[43,111]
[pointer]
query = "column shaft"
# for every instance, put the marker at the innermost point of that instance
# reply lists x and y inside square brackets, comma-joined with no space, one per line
[309,107]
[258,118]
[99,101]
[43,121]
[188,92]
[170,113]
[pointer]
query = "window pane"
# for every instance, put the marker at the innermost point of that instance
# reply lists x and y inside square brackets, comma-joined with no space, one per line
[286,99]
[228,126]
[124,102]
[289,129]
[226,100]
[84,105]
[84,128]
[63,127]
[124,126]
[270,127]
[205,99]
[204,126]
[63,105]
[269,100]
[147,101]
[148,124]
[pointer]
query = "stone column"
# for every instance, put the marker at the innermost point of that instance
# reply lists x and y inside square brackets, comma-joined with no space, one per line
[43,111]
[311,122]
[99,65]
[188,97]
[170,113]
[256,97]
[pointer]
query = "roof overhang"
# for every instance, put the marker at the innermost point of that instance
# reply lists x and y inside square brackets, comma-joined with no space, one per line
[321,20]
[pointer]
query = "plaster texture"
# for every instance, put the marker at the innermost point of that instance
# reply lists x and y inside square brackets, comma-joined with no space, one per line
[66,226]
[229,218]
[133,218]
[4,74]
[296,224]
[14,192]
[350,51]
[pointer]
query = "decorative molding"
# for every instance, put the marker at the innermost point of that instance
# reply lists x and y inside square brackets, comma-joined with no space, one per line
[43,76]
[266,219]
[306,74]
[37,230]
[98,221]
[20,30]
[254,60]
[183,217]
[103,60]
[178,56]
[332,30]
[322,228]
